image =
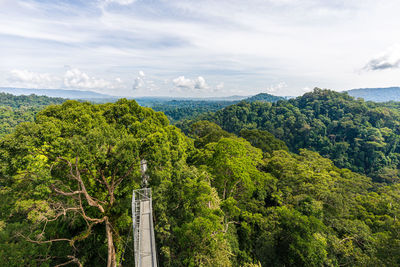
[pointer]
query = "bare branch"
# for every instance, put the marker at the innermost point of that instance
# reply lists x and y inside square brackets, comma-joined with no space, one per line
[97,179]
[71,172]
[62,213]
[45,241]
[91,201]
[227,225]
[109,188]
[73,260]
[87,218]
[66,193]
[114,173]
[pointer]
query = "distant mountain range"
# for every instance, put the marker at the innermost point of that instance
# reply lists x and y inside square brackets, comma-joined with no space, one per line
[98,97]
[376,94]
[171,98]
[368,94]
[70,94]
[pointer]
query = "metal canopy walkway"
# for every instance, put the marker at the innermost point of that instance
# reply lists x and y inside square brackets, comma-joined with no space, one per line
[143,229]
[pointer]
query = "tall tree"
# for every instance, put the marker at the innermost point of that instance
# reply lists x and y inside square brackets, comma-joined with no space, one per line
[75,168]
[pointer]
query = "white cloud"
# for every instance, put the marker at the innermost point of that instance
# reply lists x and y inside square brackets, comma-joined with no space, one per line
[306,89]
[390,59]
[276,88]
[143,84]
[219,86]
[182,82]
[200,83]
[254,43]
[139,81]
[151,86]
[27,78]
[190,84]
[74,78]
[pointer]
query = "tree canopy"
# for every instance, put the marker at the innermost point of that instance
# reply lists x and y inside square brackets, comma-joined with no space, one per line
[361,136]
[17,109]
[219,199]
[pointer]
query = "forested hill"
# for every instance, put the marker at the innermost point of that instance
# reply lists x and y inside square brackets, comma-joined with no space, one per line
[66,183]
[17,109]
[264,97]
[69,94]
[32,100]
[361,136]
[184,109]
[188,109]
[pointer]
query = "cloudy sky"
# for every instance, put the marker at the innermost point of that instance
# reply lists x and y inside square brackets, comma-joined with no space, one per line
[199,47]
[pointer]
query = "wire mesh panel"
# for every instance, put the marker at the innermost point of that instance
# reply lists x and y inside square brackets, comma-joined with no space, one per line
[143,229]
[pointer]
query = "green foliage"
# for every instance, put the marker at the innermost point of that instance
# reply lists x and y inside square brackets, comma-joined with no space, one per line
[218,199]
[233,164]
[264,97]
[190,208]
[97,149]
[206,132]
[298,210]
[263,140]
[361,136]
[177,110]
[299,236]
[13,101]
[17,109]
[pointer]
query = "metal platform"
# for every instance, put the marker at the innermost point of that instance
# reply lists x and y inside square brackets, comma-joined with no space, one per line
[143,229]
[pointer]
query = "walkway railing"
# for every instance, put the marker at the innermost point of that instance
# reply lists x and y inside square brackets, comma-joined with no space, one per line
[143,229]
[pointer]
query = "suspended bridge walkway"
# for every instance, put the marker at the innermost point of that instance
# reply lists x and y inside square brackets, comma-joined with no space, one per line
[143,229]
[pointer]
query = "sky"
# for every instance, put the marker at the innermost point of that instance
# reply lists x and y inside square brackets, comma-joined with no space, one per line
[199,48]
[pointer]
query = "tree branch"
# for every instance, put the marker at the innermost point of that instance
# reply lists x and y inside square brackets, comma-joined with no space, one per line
[77,176]
[109,188]
[73,260]
[47,241]
[65,193]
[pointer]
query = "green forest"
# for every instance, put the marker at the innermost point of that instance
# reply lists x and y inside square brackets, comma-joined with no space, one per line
[17,109]
[177,110]
[310,181]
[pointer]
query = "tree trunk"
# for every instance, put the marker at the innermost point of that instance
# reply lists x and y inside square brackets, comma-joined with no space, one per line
[111,260]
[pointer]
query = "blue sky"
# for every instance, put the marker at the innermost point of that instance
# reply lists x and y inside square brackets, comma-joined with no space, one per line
[200,47]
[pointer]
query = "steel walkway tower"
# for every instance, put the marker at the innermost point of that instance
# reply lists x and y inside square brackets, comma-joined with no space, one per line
[143,229]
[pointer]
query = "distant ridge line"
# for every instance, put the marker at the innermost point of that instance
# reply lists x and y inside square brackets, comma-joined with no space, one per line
[67,93]
[376,94]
